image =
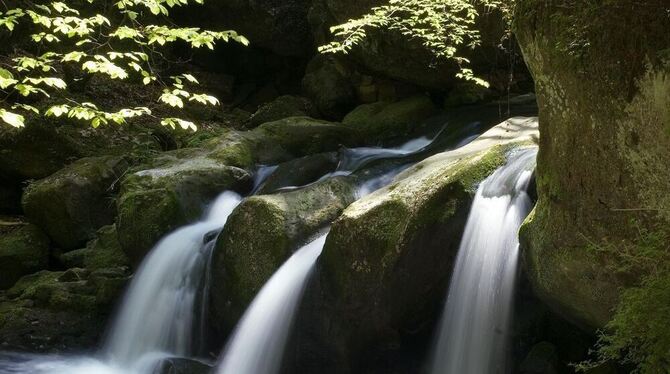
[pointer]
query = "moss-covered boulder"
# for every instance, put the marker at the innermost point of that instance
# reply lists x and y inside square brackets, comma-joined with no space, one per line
[283,107]
[24,249]
[384,120]
[300,136]
[59,311]
[602,75]
[102,252]
[261,234]
[154,201]
[299,172]
[383,273]
[73,203]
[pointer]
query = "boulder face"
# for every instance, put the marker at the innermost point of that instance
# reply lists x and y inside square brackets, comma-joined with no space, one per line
[261,234]
[299,172]
[384,270]
[383,120]
[24,249]
[603,87]
[153,202]
[73,203]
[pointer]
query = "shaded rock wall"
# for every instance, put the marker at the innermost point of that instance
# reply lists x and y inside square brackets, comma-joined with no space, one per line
[602,76]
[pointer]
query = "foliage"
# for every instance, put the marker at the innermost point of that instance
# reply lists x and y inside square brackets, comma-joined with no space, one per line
[639,332]
[442,26]
[121,40]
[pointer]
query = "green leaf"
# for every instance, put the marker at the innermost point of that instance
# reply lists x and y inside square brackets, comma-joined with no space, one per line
[11,118]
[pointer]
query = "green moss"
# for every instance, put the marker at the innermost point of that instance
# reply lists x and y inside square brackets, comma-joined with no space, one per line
[383,120]
[24,249]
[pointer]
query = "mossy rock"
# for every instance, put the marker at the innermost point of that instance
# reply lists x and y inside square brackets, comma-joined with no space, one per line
[102,252]
[24,249]
[384,120]
[387,261]
[261,234]
[59,311]
[155,201]
[602,174]
[73,203]
[283,107]
[299,172]
[301,136]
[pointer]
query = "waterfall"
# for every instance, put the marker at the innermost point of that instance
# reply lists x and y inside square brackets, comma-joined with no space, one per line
[258,343]
[475,324]
[159,316]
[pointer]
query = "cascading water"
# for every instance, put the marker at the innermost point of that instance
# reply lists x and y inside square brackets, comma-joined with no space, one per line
[475,324]
[257,345]
[158,315]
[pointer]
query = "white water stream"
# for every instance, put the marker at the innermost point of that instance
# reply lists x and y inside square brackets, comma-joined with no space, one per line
[159,312]
[475,324]
[257,345]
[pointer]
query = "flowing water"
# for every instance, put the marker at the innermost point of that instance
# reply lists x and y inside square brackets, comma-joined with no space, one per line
[159,316]
[159,311]
[475,324]
[257,345]
[162,314]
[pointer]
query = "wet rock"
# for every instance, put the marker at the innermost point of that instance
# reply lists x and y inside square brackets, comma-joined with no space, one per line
[383,274]
[154,201]
[260,235]
[299,172]
[24,249]
[73,203]
[182,366]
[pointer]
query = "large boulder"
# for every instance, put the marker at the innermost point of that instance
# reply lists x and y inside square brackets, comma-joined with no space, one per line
[603,89]
[73,203]
[300,136]
[173,192]
[385,267]
[24,249]
[59,311]
[384,120]
[261,234]
[299,172]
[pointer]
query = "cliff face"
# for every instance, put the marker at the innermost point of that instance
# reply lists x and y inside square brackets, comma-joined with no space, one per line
[602,75]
